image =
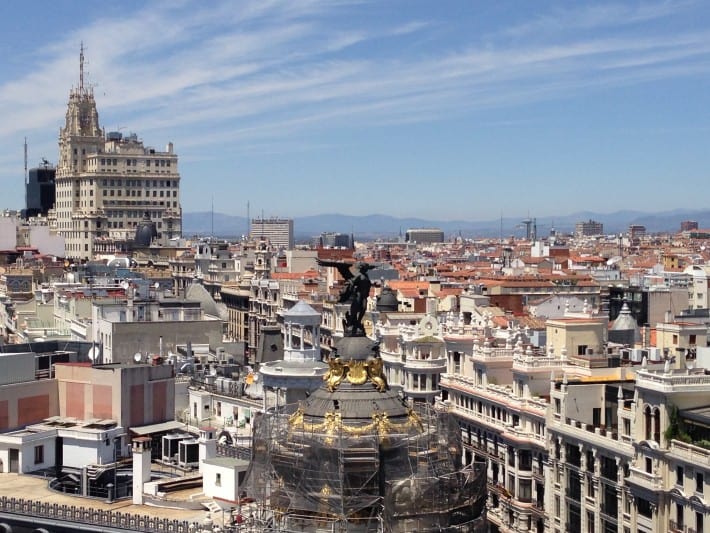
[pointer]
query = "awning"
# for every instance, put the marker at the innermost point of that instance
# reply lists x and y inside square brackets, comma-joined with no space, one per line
[158,428]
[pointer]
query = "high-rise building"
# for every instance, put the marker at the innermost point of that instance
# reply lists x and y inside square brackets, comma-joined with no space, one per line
[589,228]
[107,183]
[278,231]
[424,235]
[40,190]
[335,240]
[636,232]
[688,225]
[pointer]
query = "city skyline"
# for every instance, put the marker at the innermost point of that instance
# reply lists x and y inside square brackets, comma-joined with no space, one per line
[458,113]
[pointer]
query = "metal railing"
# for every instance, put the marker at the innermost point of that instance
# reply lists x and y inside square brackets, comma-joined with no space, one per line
[24,508]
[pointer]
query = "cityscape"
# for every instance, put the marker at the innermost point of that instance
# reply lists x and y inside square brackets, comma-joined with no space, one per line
[223,369]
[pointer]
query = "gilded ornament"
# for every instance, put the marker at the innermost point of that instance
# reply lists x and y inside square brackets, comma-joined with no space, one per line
[335,374]
[357,373]
[376,374]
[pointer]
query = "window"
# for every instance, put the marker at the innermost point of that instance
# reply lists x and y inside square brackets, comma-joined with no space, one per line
[644,508]
[699,482]
[582,349]
[679,475]
[39,454]
[218,480]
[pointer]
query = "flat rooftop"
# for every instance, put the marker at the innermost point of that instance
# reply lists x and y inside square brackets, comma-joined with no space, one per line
[34,488]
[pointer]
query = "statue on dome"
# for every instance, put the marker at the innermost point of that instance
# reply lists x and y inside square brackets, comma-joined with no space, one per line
[356,291]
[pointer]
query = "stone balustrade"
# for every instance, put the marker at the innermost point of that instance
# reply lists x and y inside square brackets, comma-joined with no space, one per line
[94,517]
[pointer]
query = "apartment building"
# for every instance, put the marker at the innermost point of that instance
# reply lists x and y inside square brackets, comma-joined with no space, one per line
[277,231]
[669,476]
[589,228]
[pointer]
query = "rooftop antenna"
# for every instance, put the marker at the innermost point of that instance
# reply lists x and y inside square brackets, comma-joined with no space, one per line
[248,222]
[212,219]
[501,227]
[26,178]
[81,69]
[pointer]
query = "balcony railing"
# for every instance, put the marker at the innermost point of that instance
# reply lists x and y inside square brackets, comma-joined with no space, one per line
[693,454]
[672,382]
[652,481]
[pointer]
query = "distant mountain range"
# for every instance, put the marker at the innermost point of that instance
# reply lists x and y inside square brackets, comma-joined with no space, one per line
[384,226]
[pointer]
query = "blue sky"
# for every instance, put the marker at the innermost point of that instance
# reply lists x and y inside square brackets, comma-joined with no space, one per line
[442,110]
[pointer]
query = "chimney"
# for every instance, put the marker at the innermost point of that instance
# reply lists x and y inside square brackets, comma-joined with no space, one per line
[141,467]
[207,445]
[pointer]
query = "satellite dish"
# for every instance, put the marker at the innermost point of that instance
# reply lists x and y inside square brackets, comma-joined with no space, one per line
[213,371]
[124,285]
[94,354]
[137,357]
[157,285]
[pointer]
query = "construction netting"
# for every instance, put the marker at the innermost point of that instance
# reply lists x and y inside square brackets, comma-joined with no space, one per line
[322,474]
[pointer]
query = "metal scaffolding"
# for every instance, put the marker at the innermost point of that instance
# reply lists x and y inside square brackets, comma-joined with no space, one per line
[378,475]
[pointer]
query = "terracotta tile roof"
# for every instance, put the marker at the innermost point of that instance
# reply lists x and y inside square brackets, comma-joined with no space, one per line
[310,274]
[400,284]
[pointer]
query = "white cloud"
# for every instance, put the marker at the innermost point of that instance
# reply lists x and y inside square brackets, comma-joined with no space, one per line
[265,74]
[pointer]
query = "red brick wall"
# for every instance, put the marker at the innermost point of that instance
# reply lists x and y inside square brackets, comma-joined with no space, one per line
[137,410]
[160,396]
[32,409]
[4,416]
[102,401]
[75,399]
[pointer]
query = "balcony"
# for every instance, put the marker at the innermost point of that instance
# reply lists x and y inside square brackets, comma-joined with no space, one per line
[601,436]
[428,364]
[692,454]
[645,479]
[675,381]
[675,527]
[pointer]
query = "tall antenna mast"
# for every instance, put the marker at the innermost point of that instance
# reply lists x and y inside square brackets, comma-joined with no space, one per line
[81,69]
[212,219]
[248,222]
[26,176]
[501,227]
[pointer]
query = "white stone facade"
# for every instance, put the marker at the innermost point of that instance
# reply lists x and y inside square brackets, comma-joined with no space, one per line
[105,183]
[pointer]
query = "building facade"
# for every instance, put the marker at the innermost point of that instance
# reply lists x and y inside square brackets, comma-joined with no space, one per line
[278,231]
[106,183]
[589,228]
[424,235]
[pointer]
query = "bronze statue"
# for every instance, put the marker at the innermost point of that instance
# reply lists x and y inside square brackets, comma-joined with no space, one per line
[356,290]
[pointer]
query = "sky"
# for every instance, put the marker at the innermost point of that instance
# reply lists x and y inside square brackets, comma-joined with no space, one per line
[451,110]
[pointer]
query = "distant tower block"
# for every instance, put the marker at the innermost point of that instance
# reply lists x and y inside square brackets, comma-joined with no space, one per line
[530,229]
[141,467]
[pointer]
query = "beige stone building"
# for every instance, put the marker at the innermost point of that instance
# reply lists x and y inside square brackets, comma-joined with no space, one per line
[106,183]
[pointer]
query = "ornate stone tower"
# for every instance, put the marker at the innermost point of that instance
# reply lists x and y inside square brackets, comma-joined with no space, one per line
[81,135]
[107,183]
[301,370]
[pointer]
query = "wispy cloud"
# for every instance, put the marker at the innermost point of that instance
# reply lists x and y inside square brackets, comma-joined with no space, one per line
[266,74]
